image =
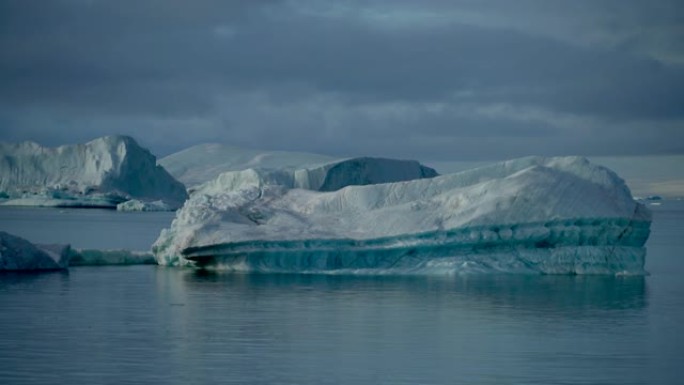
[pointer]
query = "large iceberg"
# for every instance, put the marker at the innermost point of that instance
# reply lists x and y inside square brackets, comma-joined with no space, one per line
[530,215]
[101,173]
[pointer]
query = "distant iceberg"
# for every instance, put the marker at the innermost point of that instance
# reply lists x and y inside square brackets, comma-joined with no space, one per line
[203,163]
[326,177]
[101,173]
[138,205]
[19,255]
[530,215]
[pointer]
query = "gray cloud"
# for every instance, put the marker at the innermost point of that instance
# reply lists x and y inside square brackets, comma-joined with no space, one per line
[432,79]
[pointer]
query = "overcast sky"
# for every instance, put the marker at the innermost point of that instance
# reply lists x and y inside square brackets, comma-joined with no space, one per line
[424,79]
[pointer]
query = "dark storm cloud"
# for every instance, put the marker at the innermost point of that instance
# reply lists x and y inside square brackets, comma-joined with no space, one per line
[410,79]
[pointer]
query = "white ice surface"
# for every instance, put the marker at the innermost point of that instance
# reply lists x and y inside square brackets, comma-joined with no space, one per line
[326,177]
[645,175]
[100,173]
[204,162]
[138,205]
[549,215]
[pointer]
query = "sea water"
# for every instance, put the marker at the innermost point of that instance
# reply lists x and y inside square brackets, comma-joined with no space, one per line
[85,228]
[147,324]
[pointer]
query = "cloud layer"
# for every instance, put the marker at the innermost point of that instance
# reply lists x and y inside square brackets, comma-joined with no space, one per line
[431,79]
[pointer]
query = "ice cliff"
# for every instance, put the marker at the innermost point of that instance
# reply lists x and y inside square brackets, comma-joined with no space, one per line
[531,215]
[101,173]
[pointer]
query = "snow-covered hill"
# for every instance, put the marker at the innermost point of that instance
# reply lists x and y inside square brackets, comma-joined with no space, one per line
[541,215]
[100,173]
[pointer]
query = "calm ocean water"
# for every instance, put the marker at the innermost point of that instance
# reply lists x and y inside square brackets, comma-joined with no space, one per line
[146,324]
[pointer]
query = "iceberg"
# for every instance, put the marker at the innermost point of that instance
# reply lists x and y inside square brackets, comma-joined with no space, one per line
[138,205]
[326,177]
[204,162]
[18,254]
[537,215]
[101,173]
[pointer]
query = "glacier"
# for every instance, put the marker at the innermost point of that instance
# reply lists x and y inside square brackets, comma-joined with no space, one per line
[538,215]
[101,173]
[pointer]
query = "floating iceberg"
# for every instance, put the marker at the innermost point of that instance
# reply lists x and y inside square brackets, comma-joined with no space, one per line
[101,173]
[138,205]
[203,163]
[530,215]
[18,254]
[326,177]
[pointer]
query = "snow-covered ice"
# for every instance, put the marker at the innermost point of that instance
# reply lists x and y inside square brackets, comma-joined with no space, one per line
[138,205]
[18,254]
[100,173]
[326,177]
[204,162]
[535,215]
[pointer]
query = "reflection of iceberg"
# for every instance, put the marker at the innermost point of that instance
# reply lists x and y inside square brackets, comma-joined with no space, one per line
[555,216]
[546,297]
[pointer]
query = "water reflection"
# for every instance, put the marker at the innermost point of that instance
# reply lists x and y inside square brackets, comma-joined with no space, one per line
[528,294]
[175,326]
